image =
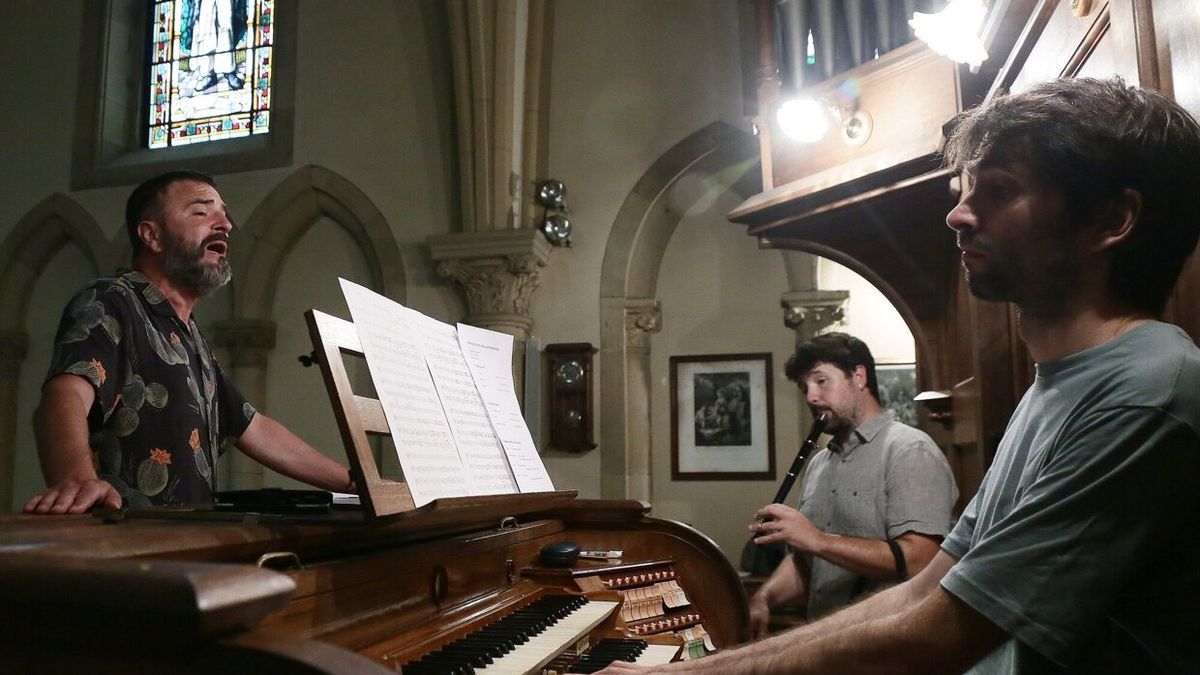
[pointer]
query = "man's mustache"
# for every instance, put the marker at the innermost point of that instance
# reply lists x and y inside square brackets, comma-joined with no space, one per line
[971,242]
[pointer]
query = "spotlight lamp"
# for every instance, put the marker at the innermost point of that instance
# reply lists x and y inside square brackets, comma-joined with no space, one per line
[954,31]
[805,119]
[557,229]
[552,195]
[808,120]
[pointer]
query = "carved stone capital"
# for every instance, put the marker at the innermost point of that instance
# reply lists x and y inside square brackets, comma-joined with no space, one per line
[498,272]
[642,318]
[810,313]
[13,347]
[249,341]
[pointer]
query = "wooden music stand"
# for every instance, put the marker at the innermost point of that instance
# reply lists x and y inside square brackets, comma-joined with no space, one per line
[358,416]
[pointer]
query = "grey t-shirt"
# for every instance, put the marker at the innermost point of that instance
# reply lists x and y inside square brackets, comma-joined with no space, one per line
[888,479]
[1082,541]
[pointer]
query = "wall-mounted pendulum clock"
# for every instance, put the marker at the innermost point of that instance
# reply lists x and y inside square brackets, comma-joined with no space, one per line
[570,396]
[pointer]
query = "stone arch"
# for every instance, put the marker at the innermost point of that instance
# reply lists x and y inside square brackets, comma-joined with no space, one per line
[278,223]
[37,236]
[55,222]
[628,284]
[285,215]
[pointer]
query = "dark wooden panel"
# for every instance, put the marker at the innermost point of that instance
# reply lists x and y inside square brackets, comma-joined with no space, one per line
[908,94]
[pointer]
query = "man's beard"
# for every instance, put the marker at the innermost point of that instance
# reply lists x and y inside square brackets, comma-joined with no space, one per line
[1042,283]
[186,268]
[835,425]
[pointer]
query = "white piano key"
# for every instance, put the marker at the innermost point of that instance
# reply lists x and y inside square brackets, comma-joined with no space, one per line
[656,655]
[543,647]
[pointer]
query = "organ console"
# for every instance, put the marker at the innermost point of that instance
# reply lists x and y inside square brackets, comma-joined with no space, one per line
[454,586]
[189,592]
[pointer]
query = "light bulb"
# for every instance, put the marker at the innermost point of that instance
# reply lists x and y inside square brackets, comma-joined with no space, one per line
[804,120]
[954,31]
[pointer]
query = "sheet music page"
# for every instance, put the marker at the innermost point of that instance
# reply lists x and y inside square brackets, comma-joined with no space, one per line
[489,356]
[478,446]
[424,443]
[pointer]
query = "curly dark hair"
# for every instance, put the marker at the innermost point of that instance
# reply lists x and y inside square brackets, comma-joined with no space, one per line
[842,350]
[1090,140]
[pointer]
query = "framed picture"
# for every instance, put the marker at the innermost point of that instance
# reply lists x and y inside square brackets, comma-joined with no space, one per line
[897,388]
[722,417]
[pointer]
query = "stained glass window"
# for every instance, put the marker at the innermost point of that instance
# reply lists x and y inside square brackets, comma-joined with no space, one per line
[210,70]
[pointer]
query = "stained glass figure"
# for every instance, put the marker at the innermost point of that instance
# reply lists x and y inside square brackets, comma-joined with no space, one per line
[210,70]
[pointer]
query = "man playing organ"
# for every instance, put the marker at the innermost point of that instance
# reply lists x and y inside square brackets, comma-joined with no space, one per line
[1079,553]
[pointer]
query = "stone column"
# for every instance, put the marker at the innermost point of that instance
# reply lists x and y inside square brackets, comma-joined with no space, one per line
[248,342]
[625,397]
[642,318]
[13,347]
[811,313]
[500,55]
[498,272]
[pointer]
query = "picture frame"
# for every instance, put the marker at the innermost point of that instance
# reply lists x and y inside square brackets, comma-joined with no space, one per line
[897,389]
[722,417]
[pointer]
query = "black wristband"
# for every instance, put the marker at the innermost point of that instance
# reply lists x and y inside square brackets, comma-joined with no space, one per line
[901,566]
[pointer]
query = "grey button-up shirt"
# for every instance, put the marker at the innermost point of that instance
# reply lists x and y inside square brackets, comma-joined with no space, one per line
[887,480]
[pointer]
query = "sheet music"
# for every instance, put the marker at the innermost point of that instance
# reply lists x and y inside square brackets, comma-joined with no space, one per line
[489,356]
[478,447]
[424,443]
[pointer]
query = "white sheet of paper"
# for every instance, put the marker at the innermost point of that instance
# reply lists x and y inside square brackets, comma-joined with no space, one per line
[424,443]
[478,447]
[489,356]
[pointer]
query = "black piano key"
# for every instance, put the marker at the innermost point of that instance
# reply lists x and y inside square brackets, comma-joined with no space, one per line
[481,647]
[605,652]
[440,661]
[437,668]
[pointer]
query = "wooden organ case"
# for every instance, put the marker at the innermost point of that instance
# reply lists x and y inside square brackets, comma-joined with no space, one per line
[388,588]
[878,204]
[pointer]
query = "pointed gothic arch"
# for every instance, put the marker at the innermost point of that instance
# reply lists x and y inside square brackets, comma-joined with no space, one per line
[41,233]
[286,214]
[273,229]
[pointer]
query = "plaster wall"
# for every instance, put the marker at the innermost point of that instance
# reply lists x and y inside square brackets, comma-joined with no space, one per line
[629,79]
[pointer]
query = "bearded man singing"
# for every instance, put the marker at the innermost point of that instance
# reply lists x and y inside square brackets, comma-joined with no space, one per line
[134,409]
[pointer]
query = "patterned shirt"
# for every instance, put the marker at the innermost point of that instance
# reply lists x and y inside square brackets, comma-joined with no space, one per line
[163,408]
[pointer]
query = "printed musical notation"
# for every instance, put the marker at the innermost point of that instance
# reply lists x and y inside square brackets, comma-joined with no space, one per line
[488,355]
[453,430]
[479,449]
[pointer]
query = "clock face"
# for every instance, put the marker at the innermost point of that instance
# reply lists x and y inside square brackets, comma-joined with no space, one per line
[569,373]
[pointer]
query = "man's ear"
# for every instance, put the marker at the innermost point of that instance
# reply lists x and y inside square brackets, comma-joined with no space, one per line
[1115,219]
[859,376]
[151,235]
